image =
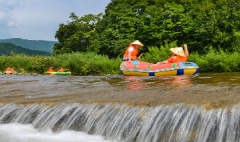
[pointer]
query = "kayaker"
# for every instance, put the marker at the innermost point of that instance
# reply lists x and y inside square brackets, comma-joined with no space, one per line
[50,69]
[132,51]
[178,55]
[12,70]
[8,69]
[62,70]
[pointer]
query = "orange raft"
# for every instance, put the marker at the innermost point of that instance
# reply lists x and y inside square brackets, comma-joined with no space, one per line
[138,68]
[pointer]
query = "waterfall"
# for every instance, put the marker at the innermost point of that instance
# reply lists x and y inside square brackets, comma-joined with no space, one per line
[164,123]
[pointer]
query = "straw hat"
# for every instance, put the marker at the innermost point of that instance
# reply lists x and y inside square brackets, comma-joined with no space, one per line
[138,43]
[178,51]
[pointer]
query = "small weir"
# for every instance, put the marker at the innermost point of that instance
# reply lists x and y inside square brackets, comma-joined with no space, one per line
[120,122]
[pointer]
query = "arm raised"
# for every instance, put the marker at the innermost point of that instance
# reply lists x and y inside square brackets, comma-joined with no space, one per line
[186,49]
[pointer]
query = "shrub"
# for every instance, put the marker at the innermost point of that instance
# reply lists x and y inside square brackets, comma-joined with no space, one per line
[156,54]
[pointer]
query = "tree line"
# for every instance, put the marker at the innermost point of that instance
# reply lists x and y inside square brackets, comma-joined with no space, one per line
[202,24]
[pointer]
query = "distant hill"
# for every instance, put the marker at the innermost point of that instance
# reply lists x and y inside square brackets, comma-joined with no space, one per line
[41,45]
[6,48]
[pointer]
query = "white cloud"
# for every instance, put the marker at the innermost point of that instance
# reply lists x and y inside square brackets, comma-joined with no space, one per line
[7,22]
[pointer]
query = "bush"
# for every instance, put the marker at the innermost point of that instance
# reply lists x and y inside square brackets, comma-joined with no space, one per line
[217,61]
[156,54]
[88,63]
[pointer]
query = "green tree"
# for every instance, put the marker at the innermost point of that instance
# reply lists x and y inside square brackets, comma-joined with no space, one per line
[118,27]
[150,21]
[199,23]
[213,23]
[75,35]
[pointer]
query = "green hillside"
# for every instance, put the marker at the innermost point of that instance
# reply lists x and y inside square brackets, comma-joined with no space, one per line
[41,45]
[6,48]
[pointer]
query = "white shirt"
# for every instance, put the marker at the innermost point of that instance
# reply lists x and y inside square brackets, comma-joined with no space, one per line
[130,49]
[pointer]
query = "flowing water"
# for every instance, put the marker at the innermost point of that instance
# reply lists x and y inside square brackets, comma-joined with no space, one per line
[111,108]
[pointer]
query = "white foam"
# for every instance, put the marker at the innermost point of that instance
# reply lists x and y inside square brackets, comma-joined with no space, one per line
[15,132]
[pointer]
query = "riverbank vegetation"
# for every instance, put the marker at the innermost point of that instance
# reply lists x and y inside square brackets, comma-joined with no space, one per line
[93,64]
[77,63]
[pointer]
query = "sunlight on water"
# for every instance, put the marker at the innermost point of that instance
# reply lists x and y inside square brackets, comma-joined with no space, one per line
[15,132]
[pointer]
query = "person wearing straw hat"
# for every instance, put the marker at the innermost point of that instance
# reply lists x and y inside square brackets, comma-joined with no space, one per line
[178,56]
[132,51]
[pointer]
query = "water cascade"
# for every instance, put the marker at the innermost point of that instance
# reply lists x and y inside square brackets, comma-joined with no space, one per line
[164,123]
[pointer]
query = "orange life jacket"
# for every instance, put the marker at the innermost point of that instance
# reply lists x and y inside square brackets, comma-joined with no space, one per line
[134,53]
[50,70]
[176,58]
[61,70]
[8,69]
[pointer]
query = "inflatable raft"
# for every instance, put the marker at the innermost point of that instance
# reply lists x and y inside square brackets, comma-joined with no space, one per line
[138,68]
[9,72]
[58,73]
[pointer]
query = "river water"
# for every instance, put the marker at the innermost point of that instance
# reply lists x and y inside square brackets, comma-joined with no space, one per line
[204,107]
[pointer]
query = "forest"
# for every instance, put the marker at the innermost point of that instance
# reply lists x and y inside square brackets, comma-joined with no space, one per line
[202,24]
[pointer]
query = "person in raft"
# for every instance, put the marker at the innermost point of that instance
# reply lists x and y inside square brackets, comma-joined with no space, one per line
[178,55]
[62,70]
[132,51]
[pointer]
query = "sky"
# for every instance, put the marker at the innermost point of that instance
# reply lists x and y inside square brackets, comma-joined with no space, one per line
[40,19]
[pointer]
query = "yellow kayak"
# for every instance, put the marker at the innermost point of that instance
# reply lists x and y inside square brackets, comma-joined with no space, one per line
[58,73]
[9,72]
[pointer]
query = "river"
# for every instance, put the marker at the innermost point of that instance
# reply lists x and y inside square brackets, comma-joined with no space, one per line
[204,107]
